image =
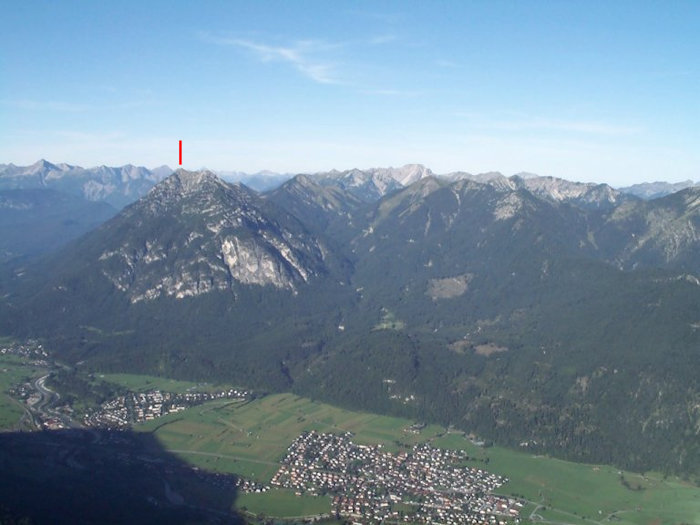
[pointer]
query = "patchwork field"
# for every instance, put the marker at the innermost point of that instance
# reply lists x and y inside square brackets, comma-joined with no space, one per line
[249,438]
[13,371]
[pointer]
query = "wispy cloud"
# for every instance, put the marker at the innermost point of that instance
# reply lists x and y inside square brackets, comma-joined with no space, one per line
[302,55]
[375,16]
[46,105]
[391,92]
[548,124]
[576,126]
[68,107]
[382,39]
[82,136]
[448,64]
[674,74]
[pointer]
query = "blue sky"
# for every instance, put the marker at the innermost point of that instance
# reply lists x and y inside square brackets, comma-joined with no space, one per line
[594,91]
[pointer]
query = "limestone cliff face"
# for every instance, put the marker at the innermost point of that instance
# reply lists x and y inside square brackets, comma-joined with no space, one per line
[194,233]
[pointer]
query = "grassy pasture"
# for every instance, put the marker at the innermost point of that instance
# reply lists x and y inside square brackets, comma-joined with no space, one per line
[262,430]
[283,503]
[249,439]
[13,370]
[579,493]
[143,383]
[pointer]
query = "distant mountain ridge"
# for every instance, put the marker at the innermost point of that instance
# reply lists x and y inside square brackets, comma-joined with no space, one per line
[260,181]
[372,184]
[117,186]
[654,190]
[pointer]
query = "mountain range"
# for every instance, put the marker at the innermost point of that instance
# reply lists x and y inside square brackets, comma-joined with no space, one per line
[557,316]
[119,186]
[115,186]
[654,190]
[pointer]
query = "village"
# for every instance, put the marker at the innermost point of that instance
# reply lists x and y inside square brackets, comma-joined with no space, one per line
[117,413]
[135,407]
[30,349]
[422,485]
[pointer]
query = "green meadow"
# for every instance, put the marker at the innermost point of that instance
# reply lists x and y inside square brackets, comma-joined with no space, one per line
[14,370]
[143,383]
[249,438]
[567,492]
[282,503]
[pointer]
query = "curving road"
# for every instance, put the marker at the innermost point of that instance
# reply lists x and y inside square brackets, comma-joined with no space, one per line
[47,395]
[48,399]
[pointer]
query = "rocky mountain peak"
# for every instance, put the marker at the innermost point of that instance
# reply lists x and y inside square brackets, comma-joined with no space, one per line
[43,164]
[368,186]
[587,195]
[183,184]
[195,233]
[654,190]
[192,181]
[302,180]
[406,175]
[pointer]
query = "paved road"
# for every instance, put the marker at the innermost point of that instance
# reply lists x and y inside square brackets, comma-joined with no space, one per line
[48,399]
[47,395]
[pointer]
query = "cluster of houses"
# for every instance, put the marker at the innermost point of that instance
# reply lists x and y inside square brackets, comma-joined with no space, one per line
[53,423]
[136,407]
[248,485]
[30,349]
[25,392]
[420,485]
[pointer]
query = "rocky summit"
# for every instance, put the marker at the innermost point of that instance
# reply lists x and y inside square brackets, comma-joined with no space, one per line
[194,233]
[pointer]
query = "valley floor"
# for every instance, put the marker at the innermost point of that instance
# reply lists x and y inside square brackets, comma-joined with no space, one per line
[250,437]
[250,440]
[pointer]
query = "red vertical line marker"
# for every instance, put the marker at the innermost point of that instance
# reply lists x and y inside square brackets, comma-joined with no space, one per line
[180,153]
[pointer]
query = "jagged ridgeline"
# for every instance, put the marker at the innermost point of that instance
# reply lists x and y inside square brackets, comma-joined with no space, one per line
[198,277]
[116,186]
[556,316]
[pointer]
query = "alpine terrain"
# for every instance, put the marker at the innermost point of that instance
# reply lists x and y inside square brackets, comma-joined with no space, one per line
[554,316]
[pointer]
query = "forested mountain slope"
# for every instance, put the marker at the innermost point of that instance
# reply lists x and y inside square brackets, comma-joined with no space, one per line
[551,321]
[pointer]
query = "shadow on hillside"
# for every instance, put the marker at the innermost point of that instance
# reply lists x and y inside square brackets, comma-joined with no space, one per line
[100,476]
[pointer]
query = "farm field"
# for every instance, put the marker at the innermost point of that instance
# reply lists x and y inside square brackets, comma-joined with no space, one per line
[283,503]
[581,493]
[13,370]
[249,438]
[143,383]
